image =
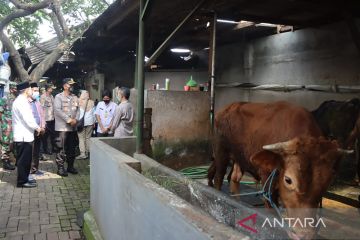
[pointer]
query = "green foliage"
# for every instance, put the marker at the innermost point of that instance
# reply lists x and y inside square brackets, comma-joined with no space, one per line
[24,31]
[4,8]
[83,10]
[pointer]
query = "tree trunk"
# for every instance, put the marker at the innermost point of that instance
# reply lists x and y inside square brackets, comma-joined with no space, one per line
[48,62]
[15,57]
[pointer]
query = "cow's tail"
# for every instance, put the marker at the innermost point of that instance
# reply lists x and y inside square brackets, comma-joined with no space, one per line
[219,155]
[211,174]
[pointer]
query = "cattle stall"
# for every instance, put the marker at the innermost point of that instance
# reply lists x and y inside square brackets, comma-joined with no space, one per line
[300,52]
[138,198]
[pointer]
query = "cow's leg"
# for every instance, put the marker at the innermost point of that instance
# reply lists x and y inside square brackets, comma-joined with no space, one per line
[230,173]
[236,176]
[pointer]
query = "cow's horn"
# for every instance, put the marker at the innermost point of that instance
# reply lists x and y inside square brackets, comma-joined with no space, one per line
[344,151]
[276,146]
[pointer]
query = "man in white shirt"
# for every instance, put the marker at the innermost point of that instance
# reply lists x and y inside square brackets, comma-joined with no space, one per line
[104,113]
[24,126]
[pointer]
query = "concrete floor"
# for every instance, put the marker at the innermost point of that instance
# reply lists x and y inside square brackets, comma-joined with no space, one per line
[48,211]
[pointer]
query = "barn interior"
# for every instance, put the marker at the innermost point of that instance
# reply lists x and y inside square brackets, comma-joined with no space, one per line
[264,52]
[303,52]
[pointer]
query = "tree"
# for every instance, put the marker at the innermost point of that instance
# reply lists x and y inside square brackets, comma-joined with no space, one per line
[20,20]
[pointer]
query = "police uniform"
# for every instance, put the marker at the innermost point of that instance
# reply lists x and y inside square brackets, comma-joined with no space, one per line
[6,127]
[65,109]
[47,102]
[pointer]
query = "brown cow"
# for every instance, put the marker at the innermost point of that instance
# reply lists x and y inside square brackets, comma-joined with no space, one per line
[261,137]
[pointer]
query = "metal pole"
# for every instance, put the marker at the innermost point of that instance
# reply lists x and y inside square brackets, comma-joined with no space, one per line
[212,70]
[140,83]
[144,11]
[163,46]
[136,67]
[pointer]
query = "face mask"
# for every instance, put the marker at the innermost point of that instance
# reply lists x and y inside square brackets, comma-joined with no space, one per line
[106,101]
[35,95]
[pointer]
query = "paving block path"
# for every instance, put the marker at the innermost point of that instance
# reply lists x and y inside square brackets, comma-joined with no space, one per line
[48,212]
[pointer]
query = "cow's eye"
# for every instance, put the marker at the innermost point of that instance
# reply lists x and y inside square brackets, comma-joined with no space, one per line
[288,180]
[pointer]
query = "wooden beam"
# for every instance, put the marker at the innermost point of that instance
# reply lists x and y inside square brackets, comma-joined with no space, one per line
[342,199]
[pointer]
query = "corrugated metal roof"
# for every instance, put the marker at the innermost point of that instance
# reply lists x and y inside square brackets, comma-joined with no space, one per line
[36,55]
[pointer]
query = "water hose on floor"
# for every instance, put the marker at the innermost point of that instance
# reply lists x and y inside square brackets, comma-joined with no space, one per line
[201,172]
[195,172]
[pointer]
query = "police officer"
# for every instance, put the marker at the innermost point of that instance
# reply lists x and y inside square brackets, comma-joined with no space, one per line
[6,127]
[47,102]
[66,110]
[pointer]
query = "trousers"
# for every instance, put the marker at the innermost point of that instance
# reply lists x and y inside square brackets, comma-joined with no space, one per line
[84,140]
[49,137]
[36,154]
[23,160]
[65,144]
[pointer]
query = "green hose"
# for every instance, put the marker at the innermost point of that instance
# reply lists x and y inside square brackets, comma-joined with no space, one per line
[195,172]
[201,172]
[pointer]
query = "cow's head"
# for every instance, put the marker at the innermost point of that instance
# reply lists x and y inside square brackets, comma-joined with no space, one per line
[306,167]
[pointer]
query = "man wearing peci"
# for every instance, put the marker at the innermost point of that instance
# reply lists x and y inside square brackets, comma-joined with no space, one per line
[24,126]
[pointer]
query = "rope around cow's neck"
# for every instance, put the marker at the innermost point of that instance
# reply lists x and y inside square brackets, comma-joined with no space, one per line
[266,192]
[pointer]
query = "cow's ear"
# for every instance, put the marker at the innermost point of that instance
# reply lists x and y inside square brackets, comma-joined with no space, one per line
[266,161]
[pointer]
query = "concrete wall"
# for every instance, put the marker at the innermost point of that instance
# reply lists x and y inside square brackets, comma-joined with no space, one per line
[94,84]
[323,56]
[180,127]
[309,99]
[179,115]
[219,205]
[126,205]
[120,72]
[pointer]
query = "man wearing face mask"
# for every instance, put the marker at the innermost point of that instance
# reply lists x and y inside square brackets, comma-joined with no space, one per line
[24,126]
[104,114]
[66,110]
[39,117]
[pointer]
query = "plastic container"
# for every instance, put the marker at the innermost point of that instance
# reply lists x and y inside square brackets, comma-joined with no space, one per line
[201,87]
[167,84]
[5,72]
[191,82]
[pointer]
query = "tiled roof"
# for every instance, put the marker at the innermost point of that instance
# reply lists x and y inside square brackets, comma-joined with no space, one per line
[36,55]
